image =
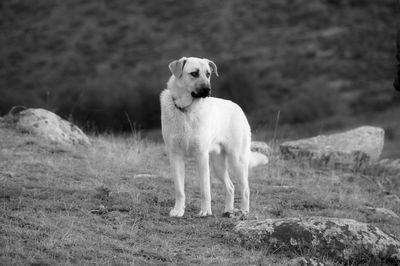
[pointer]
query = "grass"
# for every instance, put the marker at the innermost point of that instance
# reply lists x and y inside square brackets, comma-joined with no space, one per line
[108,205]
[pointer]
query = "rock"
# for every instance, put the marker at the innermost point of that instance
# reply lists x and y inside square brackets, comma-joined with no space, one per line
[50,126]
[354,149]
[304,261]
[380,214]
[339,239]
[145,176]
[261,147]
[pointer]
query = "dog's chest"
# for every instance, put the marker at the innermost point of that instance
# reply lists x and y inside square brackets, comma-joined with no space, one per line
[194,131]
[188,131]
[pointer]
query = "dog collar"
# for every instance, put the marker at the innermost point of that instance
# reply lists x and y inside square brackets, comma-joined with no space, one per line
[182,109]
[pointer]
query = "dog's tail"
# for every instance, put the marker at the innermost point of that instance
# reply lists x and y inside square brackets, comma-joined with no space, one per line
[257,158]
[259,153]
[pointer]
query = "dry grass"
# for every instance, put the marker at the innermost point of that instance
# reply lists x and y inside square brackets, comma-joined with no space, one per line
[109,205]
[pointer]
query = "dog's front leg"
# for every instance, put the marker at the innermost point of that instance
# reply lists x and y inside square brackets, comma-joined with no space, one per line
[204,172]
[178,170]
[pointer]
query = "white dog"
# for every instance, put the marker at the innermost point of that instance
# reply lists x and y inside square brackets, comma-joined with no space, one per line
[210,129]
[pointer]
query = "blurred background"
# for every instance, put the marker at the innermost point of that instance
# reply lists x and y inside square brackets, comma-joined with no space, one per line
[297,67]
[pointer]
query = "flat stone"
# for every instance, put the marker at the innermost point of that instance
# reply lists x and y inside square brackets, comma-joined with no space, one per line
[340,239]
[353,149]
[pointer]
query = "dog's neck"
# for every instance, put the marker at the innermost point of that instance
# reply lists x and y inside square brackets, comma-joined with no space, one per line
[182,109]
[180,97]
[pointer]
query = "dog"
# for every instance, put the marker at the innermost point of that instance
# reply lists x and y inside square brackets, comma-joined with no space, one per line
[212,130]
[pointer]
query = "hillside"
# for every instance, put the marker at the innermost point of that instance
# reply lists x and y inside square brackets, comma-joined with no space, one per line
[103,63]
[109,204]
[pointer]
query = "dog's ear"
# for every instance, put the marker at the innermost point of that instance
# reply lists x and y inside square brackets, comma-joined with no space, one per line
[177,66]
[213,66]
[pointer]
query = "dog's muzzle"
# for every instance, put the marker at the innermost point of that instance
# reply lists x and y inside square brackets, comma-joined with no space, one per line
[201,93]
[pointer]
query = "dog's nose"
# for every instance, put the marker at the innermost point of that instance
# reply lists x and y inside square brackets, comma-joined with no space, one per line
[202,92]
[205,90]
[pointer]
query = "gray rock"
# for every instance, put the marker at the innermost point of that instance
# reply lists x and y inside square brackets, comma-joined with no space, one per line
[261,147]
[380,214]
[354,149]
[50,126]
[339,239]
[145,176]
[304,261]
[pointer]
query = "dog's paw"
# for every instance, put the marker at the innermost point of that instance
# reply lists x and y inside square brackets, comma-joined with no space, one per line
[204,213]
[176,212]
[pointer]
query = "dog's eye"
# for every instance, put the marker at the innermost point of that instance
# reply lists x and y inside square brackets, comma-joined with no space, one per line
[194,74]
[208,74]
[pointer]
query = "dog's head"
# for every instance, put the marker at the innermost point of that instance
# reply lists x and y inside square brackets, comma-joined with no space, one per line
[194,74]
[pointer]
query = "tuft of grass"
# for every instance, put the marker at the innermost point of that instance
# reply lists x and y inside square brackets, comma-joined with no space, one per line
[109,204]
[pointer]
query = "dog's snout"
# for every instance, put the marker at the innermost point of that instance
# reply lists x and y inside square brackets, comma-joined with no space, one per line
[203,91]
[205,87]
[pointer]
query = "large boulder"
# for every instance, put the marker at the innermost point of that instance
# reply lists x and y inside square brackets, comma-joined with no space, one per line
[339,239]
[354,149]
[50,126]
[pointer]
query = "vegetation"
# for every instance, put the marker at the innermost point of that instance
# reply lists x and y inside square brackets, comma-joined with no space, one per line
[322,64]
[109,203]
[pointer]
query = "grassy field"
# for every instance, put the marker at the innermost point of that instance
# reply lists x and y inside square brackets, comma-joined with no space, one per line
[108,205]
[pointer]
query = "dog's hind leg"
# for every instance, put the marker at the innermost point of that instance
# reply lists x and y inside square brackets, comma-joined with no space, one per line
[178,170]
[240,169]
[220,166]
